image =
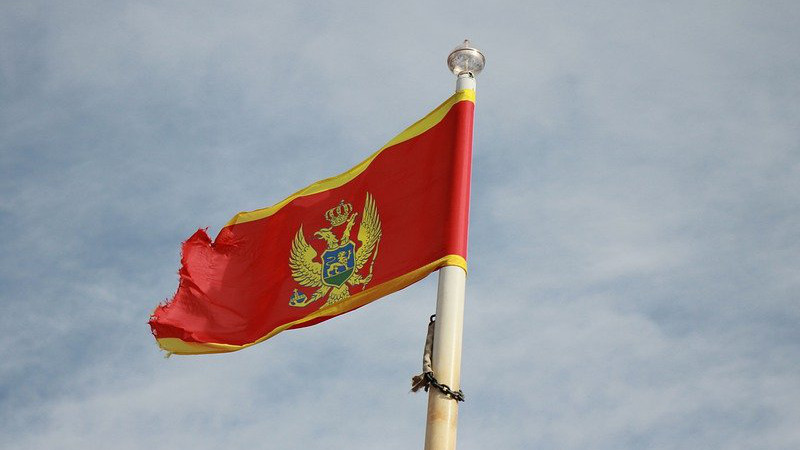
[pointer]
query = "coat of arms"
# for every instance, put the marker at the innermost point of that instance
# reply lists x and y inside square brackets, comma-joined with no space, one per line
[339,265]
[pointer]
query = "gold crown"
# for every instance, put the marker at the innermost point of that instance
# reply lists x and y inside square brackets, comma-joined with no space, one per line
[339,214]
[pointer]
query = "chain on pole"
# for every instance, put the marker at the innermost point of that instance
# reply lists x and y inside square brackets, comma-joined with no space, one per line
[427,379]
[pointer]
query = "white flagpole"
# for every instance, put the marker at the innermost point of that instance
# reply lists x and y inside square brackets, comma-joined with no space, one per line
[442,424]
[440,432]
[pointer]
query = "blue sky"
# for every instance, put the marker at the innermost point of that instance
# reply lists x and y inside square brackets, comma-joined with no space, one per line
[635,224]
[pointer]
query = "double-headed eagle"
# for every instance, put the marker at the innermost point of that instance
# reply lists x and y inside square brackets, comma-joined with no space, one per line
[340,262]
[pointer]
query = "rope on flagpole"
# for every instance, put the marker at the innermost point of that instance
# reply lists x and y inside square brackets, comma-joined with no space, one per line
[426,379]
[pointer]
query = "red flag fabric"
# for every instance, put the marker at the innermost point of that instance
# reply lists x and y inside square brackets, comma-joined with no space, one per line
[331,247]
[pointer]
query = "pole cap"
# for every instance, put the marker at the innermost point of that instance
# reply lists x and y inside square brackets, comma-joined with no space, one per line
[466,60]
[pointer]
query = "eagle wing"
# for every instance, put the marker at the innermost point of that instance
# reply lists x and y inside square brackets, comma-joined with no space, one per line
[369,232]
[304,270]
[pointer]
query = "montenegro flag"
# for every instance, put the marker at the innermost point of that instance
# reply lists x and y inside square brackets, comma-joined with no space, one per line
[331,247]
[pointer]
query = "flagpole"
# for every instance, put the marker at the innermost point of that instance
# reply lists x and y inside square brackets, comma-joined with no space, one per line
[442,422]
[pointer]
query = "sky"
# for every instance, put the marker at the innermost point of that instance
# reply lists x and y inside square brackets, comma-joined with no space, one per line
[635,220]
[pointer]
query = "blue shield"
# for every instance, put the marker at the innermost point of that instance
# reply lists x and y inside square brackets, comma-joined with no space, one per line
[338,264]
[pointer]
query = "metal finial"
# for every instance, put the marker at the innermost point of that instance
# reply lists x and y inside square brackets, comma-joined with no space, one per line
[466,60]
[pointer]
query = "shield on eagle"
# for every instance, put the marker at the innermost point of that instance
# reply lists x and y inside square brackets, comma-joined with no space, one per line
[338,264]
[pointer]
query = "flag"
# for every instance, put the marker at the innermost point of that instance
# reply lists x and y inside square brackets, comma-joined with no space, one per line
[331,247]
